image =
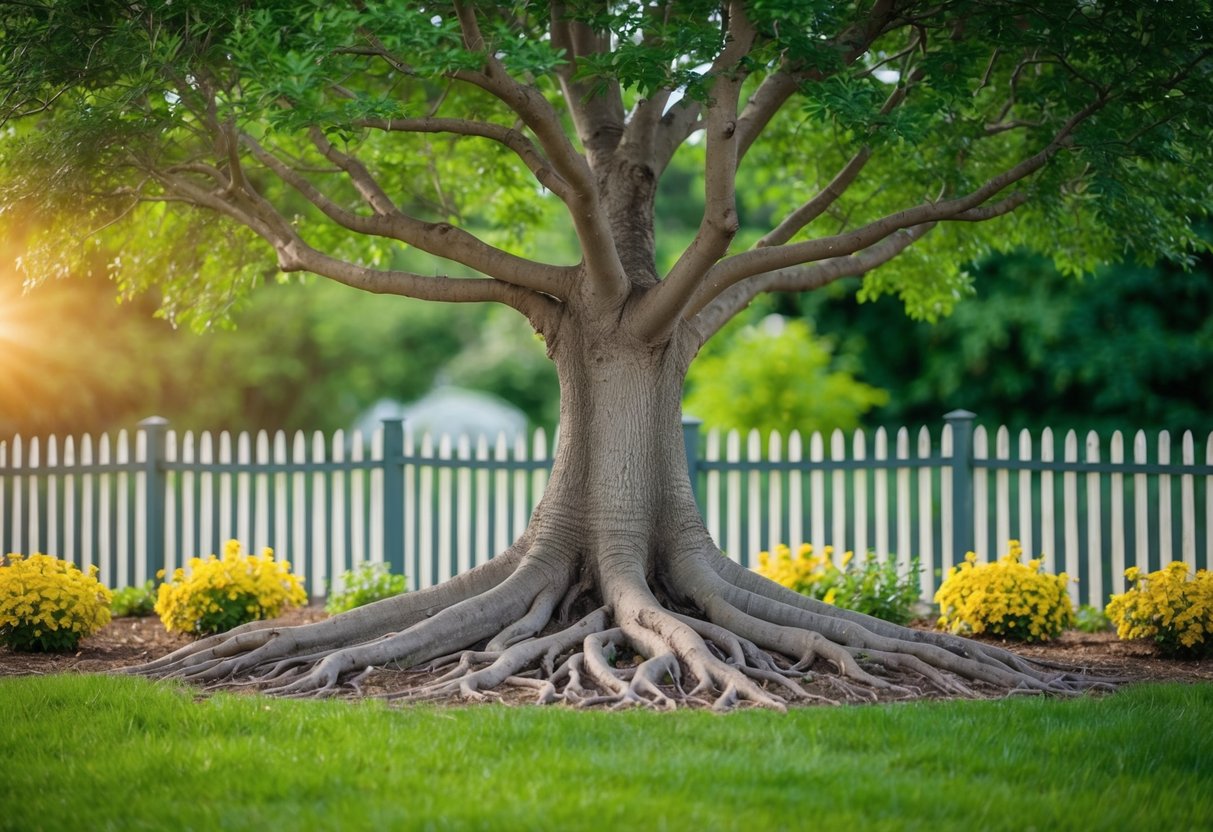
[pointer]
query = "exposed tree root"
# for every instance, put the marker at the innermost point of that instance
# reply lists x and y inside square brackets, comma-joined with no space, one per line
[724,637]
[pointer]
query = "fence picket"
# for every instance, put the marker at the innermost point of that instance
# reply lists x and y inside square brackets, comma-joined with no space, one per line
[1069,481]
[1094,528]
[880,497]
[71,552]
[947,554]
[482,550]
[31,483]
[904,543]
[53,517]
[463,506]
[838,494]
[339,559]
[926,517]
[319,518]
[1002,491]
[1025,495]
[1166,551]
[1116,506]
[796,534]
[1187,490]
[817,489]
[1048,519]
[1140,505]
[774,497]
[860,495]
[981,500]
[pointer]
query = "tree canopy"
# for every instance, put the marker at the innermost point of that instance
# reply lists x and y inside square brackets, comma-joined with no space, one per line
[343,134]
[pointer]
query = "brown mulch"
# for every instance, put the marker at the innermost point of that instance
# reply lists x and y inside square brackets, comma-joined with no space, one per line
[130,641]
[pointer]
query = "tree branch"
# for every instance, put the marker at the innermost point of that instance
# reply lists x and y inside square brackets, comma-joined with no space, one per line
[296,255]
[816,206]
[597,112]
[756,261]
[778,87]
[440,239]
[608,282]
[659,308]
[522,147]
[708,320]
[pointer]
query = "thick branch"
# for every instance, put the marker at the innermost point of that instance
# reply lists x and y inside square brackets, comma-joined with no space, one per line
[296,255]
[778,87]
[720,222]
[597,113]
[710,318]
[440,239]
[608,281]
[821,202]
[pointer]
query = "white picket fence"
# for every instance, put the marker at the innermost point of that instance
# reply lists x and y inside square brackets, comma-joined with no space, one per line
[433,508]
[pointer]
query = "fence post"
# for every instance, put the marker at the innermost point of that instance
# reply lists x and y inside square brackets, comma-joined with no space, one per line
[155,428]
[962,482]
[393,495]
[690,440]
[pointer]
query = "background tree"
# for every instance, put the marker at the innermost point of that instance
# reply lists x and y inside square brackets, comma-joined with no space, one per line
[335,137]
[777,376]
[1131,347]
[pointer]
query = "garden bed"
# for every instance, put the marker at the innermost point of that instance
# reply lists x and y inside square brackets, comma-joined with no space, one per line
[129,641]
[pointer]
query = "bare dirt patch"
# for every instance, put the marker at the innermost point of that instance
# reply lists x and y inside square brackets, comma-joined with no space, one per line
[130,641]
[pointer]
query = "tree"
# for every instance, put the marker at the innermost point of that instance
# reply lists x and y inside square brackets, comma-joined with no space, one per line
[777,376]
[874,132]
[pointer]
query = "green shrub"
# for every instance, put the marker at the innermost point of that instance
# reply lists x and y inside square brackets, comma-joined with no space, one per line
[368,582]
[869,586]
[219,594]
[48,605]
[1169,607]
[137,601]
[1091,619]
[1005,598]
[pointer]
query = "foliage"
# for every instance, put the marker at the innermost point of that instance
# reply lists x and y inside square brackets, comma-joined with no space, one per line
[1170,606]
[135,601]
[1007,598]
[871,586]
[777,376]
[48,604]
[1034,348]
[1091,619]
[216,594]
[364,584]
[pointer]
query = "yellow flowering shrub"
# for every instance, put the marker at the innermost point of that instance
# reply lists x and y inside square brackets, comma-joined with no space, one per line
[1006,598]
[216,594]
[1168,607]
[865,585]
[48,604]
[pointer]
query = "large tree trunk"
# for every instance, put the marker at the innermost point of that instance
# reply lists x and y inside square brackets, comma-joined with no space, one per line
[616,562]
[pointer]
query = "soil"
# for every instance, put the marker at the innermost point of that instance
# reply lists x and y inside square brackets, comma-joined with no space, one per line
[130,641]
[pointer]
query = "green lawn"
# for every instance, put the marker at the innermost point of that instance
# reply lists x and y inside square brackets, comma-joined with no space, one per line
[96,753]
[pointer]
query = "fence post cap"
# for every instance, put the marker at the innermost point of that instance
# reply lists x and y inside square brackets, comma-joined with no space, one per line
[154,422]
[690,421]
[959,415]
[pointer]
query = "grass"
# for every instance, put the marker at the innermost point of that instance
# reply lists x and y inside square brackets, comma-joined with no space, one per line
[98,753]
